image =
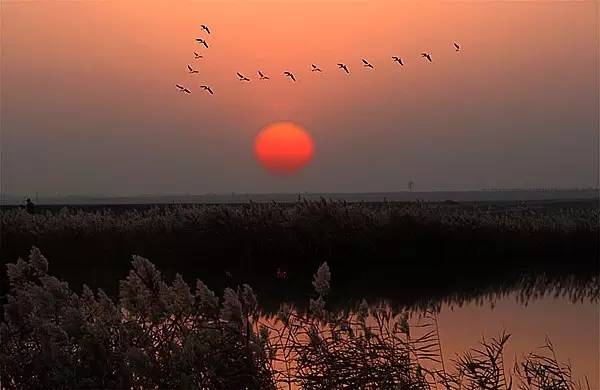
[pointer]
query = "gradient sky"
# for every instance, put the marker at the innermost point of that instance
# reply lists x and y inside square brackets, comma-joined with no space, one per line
[88,103]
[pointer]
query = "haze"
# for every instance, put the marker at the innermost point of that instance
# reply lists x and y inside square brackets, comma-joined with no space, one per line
[89,104]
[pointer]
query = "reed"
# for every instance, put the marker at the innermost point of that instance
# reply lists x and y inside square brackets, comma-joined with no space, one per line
[164,335]
[479,246]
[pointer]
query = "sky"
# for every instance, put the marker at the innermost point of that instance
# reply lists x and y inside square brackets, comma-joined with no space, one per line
[89,104]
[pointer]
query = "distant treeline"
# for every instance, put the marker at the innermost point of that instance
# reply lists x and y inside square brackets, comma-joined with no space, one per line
[499,194]
[541,189]
[410,251]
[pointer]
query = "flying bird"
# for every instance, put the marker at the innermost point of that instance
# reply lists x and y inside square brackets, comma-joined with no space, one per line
[182,88]
[398,60]
[366,64]
[426,55]
[456,46]
[315,68]
[197,56]
[344,67]
[262,76]
[202,42]
[207,88]
[290,75]
[242,78]
[205,28]
[191,70]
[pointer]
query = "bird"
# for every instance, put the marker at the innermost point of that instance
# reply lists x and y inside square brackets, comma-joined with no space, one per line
[197,56]
[191,70]
[207,88]
[315,68]
[366,64]
[456,46]
[426,55]
[398,60]
[262,76]
[242,78]
[344,67]
[290,75]
[205,28]
[202,42]
[182,88]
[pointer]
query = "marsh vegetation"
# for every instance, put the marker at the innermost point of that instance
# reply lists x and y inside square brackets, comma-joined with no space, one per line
[461,250]
[169,335]
[132,328]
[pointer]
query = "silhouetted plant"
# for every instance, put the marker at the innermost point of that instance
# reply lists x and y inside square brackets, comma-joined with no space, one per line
[163,335]
[159,335]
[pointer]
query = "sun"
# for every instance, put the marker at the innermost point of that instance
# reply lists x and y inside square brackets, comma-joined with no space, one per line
[283,148]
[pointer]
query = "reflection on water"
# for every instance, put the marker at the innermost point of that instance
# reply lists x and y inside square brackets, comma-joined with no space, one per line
[571,327]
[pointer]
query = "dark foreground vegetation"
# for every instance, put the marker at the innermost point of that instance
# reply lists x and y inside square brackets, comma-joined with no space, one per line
[168,336]
[413,253]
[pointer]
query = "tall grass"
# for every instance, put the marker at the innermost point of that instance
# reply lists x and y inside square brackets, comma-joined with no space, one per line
[164,335]
[460,249]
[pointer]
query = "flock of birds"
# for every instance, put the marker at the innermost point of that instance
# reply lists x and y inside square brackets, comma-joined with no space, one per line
[290,75]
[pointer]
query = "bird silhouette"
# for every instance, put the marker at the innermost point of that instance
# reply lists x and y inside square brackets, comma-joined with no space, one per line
[205,28]
[197,56]
[366,64]
[262,76]
[315,68]
[182,88]
[456,46]
[202,42]
[290,75]
[207,88]
[191,70]
[398,60]
[242,78]
[426,55]
[344,67]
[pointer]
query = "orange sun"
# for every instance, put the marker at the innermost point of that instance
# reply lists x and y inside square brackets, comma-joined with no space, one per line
[283,147]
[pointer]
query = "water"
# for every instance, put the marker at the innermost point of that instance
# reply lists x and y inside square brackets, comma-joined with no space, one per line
[572,328]
[402,273]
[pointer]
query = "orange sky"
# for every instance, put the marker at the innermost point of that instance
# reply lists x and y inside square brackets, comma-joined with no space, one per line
[88,94]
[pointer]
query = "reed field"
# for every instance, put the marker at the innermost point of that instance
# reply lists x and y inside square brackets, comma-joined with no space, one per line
[460,249]
[170,335]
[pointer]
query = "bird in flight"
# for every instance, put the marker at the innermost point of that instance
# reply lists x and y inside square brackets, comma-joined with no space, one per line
[366,64]
[290,75]
[344,67]
[315,68]
[207,88]
[202,42]
[205,28]
[182,88]
[242,78]
[426,55]
[197,56]
[456,46]
[191,70]
[398,60]
[262,76]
